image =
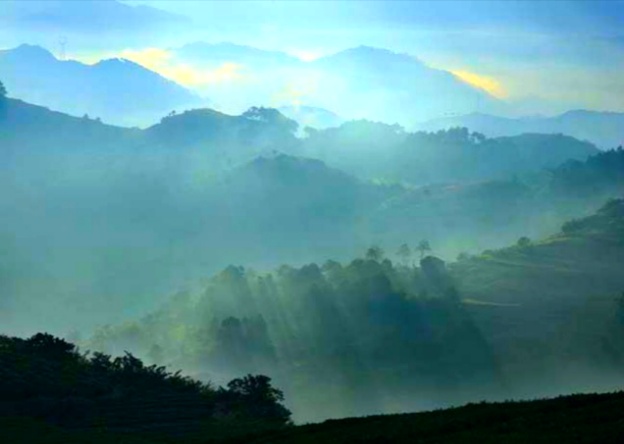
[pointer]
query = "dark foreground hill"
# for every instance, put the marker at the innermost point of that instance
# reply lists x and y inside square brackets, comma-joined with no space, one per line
[48,380]
[587,418]
[578,419]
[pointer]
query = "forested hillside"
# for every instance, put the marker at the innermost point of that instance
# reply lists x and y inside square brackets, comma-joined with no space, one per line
[339,339]
[377,336]
[172,203]
[569,289]
[601,128]
[380,151]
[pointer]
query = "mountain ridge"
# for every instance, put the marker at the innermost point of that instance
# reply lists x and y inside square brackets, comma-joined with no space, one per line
[116,90]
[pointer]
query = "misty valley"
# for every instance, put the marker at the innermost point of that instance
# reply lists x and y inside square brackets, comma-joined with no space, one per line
[217,243]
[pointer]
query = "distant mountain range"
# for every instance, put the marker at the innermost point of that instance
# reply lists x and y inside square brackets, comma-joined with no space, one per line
[605,129]
[361,82]
[358,83]
[116,90]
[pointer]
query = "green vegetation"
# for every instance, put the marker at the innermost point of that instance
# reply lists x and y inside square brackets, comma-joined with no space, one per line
[550,311]
[46,378]
[373,336]
[376,150]
[339,339]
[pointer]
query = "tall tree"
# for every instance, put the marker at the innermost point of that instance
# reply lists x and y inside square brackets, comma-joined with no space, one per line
[3,93]
[404,253]
[374,253]
[423,247]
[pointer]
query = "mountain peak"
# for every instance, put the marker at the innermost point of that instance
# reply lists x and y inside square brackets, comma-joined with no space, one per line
[31,52]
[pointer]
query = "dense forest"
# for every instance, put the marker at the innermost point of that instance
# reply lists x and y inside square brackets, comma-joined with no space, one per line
[375,335]
[339,340]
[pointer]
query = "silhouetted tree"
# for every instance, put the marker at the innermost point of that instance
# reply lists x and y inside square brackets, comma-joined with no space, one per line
[374,253]
[524,242]
[404,253]
[262,399]
[463,256]
[3,93]
[423,247]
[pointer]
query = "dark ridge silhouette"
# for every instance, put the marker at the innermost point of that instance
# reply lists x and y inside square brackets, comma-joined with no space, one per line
[46,378]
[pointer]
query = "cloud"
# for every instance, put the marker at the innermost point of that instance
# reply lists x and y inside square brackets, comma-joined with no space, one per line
[298,91]
[487,84]
[163,62]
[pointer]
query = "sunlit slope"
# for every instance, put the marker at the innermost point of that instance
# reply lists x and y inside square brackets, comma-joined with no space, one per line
[551,309]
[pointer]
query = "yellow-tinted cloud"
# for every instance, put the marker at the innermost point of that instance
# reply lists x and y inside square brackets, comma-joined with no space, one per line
[163,62]
[488,84]
[296,93]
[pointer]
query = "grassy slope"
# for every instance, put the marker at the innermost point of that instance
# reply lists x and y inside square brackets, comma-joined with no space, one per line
[580,419]
[549,310]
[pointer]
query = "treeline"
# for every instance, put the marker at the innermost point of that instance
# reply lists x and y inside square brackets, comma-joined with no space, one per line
[378,151]
[601,174]
[47,378]
[350,339]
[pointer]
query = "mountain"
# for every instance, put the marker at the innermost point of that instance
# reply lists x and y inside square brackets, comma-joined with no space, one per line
[202,189]
[362,82]
[379,84]
[225,138]
[115,90]
[237,77]
[605,129]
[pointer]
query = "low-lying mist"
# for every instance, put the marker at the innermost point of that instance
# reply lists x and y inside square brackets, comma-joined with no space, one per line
[100,225]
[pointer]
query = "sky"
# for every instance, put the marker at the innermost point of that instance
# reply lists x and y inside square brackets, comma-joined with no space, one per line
[569,52]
